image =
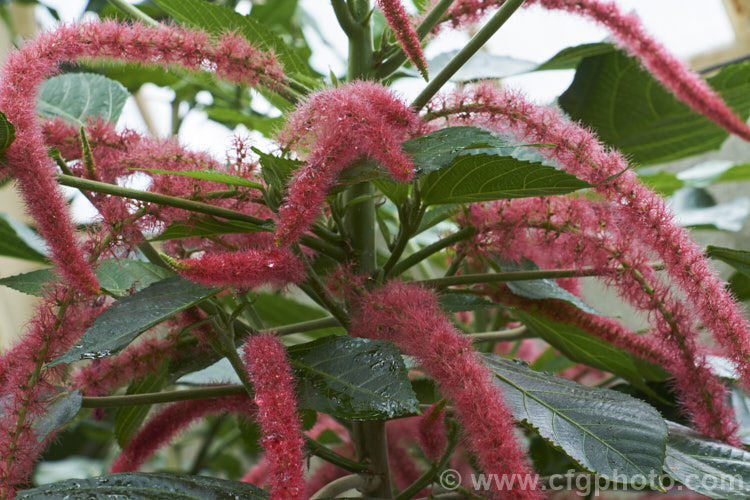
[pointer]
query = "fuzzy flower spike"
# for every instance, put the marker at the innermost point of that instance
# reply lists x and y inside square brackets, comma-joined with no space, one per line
[341,125]
[398,20]
[636,207]
[410,317]
[230,57]
[629,33]
[269,371]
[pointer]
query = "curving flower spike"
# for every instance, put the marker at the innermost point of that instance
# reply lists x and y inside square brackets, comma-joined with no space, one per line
[342,124]
[398,20]
[410,317]
[170,422]
[247,269]
[630,34]
[269,371]
[633,204]
[24,70]
[674,74]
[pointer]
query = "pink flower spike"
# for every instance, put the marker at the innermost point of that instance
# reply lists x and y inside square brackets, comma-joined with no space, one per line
[674,74]
[229,57]
[247,269]
[410,317]
[271,375]
[633,205]
[398,20]
[171,421]
[342,125]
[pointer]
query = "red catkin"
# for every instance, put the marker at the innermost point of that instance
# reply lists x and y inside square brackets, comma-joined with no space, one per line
[410,316]
[269,371]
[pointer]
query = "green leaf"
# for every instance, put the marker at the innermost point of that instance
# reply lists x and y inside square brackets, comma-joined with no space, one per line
[117,276]
[218,19]
[491,177]
[437,150]
[125,276]
[706,466]
[665,183]
[456,302]
[738,259]
[130,418]
[278,310]
[209,226]
[353,378]
[31,283]
[60,410]
[147,486]
[208,175]
[739,284]
[76,96]
[17,240]
[542,289]
[583,347]
[630,110]
[7,133]
[397,192]
[606,432]
[570,57]
[132,315]
[714,172]
[233,117]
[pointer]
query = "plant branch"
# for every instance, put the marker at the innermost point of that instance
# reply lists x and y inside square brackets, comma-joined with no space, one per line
[336,459]
[471,48]
[193,206]
[471,279]
[345,18]
[161,199]
[501,335]
[150,398]
[417,257]
[304,326]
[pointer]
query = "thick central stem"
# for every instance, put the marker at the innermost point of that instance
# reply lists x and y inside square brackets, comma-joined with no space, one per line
[369,437]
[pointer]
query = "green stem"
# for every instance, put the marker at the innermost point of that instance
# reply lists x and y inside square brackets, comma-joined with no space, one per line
[369,437]
[471,279]
[430,21]
[331,456]
[501,336]
[150,398]
[417,257]
[134,12]
[304,326]
[402,239]
[360,41]
[471,48]
[194,206]
[161,199]
[315,447]
[345,18]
